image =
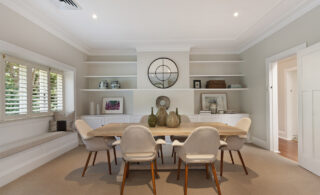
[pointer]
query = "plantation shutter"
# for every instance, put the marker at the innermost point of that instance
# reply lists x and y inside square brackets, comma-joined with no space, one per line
[39,90]
[56,91]
[15,89]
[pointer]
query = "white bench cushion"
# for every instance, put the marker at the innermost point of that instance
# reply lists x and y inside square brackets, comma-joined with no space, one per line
[21,145]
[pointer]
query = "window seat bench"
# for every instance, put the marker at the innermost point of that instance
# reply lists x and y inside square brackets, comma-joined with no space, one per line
[22,156]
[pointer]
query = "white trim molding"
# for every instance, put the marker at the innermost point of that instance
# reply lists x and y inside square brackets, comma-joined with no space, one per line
[259,142]
[273,133]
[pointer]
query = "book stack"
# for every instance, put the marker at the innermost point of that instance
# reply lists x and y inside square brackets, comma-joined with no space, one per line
[216,84]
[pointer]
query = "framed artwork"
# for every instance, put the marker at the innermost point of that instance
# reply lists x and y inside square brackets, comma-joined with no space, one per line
[112,105]
[197,84]
[219,99]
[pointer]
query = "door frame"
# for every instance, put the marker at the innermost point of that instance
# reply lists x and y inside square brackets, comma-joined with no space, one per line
[272,94]
[287,72]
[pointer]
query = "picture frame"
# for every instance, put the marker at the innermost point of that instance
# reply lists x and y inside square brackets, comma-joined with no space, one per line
[112,105]
[219,99]
[197,84]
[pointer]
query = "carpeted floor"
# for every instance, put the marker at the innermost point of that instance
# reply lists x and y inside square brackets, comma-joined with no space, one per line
[269,174]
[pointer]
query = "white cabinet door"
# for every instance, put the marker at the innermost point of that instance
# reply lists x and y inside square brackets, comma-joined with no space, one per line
[309,108]
[116,119]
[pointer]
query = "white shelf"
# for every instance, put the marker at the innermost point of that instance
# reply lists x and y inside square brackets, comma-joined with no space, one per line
[186,89]
[110,62]
[106,90]
[112,76]
[223,89]
[227,75]
[214,61]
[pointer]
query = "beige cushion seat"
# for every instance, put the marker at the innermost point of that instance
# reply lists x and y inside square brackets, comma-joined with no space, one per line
[25,144]
[139,157]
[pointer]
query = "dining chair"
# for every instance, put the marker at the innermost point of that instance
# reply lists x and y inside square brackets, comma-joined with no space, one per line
[95,144]
[144,119]
[138,145]
[235,143]
[185,119]
[201,147]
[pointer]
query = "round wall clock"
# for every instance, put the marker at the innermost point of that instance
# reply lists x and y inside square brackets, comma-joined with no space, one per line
[163,73]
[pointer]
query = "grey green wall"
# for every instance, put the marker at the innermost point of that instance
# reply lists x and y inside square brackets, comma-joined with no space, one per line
[304,29]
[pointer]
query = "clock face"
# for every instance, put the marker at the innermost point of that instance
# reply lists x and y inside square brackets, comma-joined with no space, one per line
[163,73]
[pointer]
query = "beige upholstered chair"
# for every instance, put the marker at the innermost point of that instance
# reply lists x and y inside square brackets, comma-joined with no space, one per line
[144,119]
[235,143]
[95,144]
[138,145]
[201,147]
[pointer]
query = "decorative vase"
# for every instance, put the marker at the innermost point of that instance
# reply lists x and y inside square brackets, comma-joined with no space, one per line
[213,108]
[177,113]
[152,119]
[173,120]
[162,116]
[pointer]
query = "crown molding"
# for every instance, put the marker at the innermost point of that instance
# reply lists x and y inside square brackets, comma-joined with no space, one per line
[24,10]
[280,25]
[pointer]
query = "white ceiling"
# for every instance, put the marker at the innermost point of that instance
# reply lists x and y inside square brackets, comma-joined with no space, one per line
[203,26]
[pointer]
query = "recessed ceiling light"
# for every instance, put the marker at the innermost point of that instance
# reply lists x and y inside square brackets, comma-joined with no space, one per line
[236,14]
[94,16]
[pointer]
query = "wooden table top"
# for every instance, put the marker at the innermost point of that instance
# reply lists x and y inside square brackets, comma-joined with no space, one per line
[185,129]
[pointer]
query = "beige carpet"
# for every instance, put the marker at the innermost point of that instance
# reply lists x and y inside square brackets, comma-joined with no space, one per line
[269,174]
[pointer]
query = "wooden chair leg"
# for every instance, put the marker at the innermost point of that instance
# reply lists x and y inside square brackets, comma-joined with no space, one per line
[178,171]
[174,157]
[128,170]
[109,164]
[216,178]
[94,158]
[186,180]
[161,153]
[172,152]
[86,166]
[156,167]
[124,177]
[207,170]
[221,163]
[230,152]
[244,166]
[115,155]
[153,178]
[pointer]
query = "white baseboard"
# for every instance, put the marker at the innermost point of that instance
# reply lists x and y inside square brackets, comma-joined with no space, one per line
[260,142]
[17,165]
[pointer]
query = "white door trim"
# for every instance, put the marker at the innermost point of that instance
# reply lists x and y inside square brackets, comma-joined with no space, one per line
[271,100]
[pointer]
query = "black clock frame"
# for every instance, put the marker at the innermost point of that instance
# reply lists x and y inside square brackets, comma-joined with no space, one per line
[164,58]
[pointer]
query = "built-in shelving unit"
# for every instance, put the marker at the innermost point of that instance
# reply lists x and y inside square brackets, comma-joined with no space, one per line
[214,61]
[111,76]
[218,75]
[186,89]
[110,62]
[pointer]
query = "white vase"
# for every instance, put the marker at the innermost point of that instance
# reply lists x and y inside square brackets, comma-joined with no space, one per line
[91,108]
[98,109]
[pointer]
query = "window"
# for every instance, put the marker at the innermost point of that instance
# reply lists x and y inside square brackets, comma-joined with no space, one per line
[28,89]
[56,91]
[39,90]
[15,89]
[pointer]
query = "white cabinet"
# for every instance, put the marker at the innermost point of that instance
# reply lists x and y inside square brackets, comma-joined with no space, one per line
[96,121]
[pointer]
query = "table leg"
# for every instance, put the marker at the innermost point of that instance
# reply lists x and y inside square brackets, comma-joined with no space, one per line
[120,174]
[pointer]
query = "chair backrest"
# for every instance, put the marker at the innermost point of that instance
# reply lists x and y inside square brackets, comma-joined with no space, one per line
[144,119]
[203,140]
[83,129]
[137,139]
[244,124]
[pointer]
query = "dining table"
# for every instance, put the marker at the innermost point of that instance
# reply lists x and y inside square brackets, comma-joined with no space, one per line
[184,129]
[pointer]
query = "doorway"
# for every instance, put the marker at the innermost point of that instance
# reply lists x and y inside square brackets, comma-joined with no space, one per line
[282,102]
[287,81]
